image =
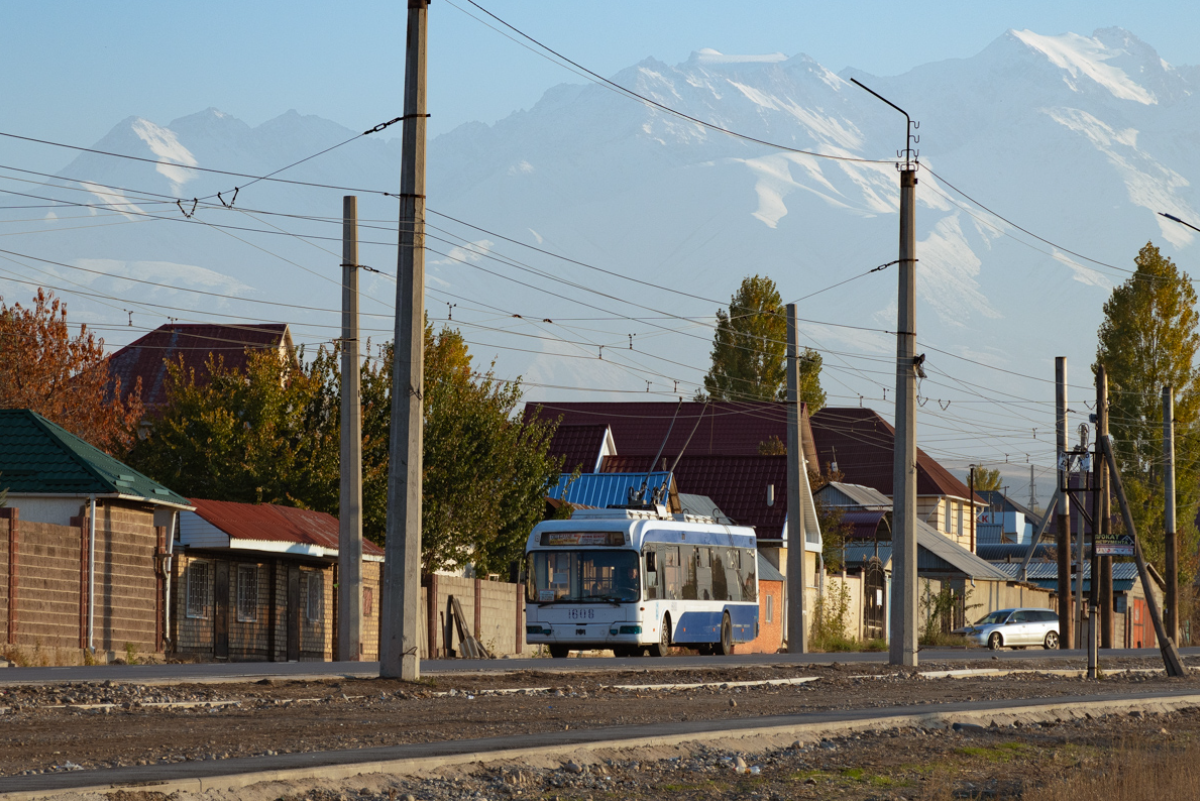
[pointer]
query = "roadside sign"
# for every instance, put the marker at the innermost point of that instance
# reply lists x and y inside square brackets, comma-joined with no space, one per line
[1115,545]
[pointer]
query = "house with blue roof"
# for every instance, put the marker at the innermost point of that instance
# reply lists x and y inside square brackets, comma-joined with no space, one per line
[85,545]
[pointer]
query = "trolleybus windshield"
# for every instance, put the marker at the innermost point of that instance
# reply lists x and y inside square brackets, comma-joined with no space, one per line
[583,576]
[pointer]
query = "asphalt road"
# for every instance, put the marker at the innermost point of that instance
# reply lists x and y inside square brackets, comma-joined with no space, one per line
[237,671]
[151,774]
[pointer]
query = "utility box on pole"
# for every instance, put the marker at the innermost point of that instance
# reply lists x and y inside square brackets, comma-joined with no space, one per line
[399,640]
[350,578]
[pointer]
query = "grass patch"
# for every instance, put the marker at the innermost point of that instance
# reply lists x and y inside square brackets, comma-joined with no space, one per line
[1000,753]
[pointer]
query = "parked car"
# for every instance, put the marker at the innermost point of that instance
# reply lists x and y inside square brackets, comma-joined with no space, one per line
[1014,628]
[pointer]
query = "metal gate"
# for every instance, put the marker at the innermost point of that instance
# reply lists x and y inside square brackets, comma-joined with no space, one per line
[874,600]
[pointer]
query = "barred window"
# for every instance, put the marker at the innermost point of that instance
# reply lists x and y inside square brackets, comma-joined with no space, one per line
[368,601]
[770,608]
[199,589]
[316,596]
[247,593]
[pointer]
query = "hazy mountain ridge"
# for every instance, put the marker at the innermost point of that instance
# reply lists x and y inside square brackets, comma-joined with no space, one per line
[1080,138]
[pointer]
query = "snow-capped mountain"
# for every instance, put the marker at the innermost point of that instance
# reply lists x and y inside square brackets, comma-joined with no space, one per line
[1078,139]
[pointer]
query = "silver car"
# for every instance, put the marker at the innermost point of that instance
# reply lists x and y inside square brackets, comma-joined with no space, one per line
[1014,628]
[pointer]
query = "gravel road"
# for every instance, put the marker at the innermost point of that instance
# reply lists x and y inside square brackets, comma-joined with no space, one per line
[109,724]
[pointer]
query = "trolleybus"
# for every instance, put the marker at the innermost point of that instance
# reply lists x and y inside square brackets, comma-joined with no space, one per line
[637,580]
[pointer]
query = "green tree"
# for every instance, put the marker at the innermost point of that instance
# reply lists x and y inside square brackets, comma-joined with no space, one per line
[749,347]
[272,435]
[268,435]
[987,479]
[1148,340]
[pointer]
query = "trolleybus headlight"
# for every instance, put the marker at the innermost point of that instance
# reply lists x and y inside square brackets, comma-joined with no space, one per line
[631,629]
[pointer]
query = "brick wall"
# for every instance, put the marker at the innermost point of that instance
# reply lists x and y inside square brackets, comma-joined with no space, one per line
[5,522]
[372,573]
[51,580]
[48,601]
[500,616]
[125,587]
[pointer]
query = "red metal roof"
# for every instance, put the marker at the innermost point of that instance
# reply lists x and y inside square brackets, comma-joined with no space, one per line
[736,484]
[863,443]
[722,428]
[146,357]
[580,445]
[267,521]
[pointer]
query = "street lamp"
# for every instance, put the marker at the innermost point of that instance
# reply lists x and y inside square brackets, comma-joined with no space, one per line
[1173,218]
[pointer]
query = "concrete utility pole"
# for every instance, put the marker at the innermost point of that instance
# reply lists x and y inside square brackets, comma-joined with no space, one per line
[350,605]
[971,500]
[1093,626]
[1032,491]
[1104,519]
[903,646]
[796,635]
[1066,628]
[1171,601]
[400,655]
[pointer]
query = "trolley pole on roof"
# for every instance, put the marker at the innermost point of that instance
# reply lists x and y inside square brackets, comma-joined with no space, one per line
[400,654]
[796,636]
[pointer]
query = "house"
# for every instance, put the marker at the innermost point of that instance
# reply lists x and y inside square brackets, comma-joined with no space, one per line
[941,563]
[85,545]
[256,582]
[859,444]
[1132,627]
[146,358]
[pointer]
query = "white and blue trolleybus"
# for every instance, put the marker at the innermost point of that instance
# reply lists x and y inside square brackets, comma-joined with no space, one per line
[637,580]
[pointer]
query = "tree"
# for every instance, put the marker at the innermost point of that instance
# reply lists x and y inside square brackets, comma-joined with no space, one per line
[266,435]
[272,435]
[62,377]
[987,480]
[1149,339]
[749,347]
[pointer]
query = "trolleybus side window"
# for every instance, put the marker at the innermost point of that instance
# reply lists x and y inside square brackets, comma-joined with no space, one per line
[704,580]
[672,574]
[749,567]
[651,575]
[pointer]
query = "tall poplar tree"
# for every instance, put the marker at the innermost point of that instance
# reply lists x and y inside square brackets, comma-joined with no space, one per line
[1149,339]
[749,347]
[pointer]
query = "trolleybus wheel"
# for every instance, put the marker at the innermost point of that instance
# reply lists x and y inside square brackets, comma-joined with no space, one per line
[559,651]
[726,636]
[663,646]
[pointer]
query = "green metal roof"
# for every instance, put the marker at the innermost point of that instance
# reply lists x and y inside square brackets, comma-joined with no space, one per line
[37,456]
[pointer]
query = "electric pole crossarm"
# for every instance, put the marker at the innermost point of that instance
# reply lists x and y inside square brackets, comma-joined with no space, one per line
[1171,660]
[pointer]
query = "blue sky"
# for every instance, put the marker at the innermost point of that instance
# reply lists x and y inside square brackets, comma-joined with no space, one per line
[74,69]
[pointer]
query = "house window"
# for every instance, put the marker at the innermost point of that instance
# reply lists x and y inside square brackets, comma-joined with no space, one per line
[316,597]
[368,601]
[960,519]
[199,589]
[770,608]
[247,593]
